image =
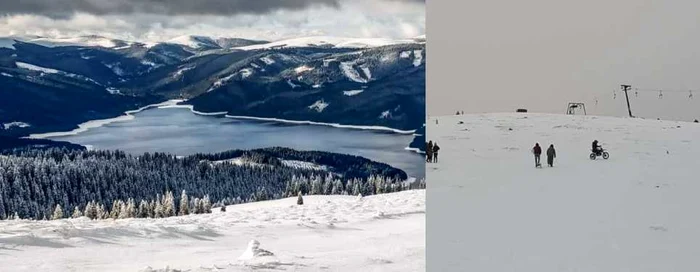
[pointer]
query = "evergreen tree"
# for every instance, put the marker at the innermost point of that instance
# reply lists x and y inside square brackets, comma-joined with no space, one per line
[114,212]
[184,204]
[300,200]
[143,209]
[57,213]
[206,204]
[76,213]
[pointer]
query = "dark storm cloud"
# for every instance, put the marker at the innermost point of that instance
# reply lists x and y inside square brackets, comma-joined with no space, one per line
[65,8]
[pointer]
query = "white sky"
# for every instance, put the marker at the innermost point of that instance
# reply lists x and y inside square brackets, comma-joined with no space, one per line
[361,18]
[542,54]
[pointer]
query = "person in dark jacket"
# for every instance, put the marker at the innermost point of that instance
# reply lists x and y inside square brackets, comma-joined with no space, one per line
[429,152]
[551,154]
[436,148]
[595,147]
[537,150]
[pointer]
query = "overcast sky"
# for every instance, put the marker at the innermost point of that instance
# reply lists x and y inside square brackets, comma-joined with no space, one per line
[542,54]
[157,20]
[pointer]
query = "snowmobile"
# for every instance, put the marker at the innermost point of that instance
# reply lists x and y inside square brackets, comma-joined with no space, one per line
[598,153]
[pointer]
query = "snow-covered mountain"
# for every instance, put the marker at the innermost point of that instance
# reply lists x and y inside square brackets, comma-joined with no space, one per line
[195,42]
[632,212]
[376,82]
[328,42]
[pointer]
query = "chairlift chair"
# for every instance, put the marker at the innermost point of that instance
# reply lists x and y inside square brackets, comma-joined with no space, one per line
[573,106]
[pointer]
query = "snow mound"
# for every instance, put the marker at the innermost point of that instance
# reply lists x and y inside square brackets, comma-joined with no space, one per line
[254,251]
[637,203]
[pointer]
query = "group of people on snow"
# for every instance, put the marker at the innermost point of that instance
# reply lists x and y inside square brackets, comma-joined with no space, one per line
[551,154]
[431,150]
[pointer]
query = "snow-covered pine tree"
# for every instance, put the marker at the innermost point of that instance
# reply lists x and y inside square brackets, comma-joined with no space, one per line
[184,204]
[206,204]
[123,211]
[196,206]
[143,209]
[57,213]
[91,210]
[76,213]
[357,189]
[158,210]
[114,212]
[316,186]
[152,209]
[101,212]
[131,209]
[169,205]
[300,200]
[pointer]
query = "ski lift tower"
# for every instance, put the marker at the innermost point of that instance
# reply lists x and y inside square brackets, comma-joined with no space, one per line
[572,108]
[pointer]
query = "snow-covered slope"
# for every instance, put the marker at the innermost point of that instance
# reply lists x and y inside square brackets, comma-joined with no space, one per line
[7,43]
[77,41]
[329,41]
[633,212]
[195,42]
[327,233]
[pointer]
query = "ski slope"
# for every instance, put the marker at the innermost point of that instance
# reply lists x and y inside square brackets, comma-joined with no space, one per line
[328,233]
[490,209]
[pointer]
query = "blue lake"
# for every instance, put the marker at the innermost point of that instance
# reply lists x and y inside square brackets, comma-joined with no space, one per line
[179,131]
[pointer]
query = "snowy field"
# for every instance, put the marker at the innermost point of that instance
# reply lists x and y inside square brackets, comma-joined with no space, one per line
[490,209]
[327,233]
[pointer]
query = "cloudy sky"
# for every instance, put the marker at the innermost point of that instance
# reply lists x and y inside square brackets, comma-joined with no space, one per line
[542,54]
[158,20]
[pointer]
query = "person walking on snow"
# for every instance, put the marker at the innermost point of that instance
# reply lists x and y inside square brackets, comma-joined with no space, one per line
[551,154]
[436,148]
[537,150]
[429,152]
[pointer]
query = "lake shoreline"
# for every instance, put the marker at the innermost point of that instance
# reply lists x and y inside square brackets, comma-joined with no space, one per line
[173,103]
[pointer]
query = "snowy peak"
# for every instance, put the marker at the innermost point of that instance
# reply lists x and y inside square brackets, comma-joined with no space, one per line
[7,42]
[91,40]
[195,42]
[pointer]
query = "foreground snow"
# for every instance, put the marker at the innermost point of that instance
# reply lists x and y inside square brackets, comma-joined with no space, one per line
[633,212]
[327,233]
